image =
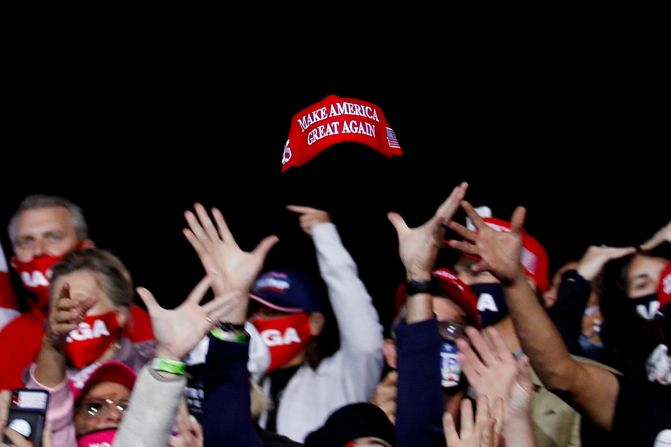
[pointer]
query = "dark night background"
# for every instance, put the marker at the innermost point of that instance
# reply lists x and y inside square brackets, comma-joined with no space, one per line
[580,141]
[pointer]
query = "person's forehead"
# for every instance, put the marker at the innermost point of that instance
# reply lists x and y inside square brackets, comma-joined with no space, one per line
[646,265]
[108,389]
[80,279]
[37,220]
[446,309]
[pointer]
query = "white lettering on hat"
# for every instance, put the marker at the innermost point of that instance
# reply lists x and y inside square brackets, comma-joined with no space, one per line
[666,284]
[355,126]
[84,331]
[663,439]
[323,131]
[348,108]
[273,337]
[648,312]
[35,279]
[79,379]
[486,302]
[100,444]
[273,283]
[313,117]
[286,155]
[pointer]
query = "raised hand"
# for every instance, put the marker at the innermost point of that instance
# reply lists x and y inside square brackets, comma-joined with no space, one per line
[492,370]
[178,331]
[499,252]
[663,235]
[309,217]
[521,390]
[418,247]
[385,395]
[479,435]
[231,268]
[66,314]
[189,432]
[596,257]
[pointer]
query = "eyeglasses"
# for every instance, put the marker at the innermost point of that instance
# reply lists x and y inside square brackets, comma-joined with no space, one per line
[96,407]
[450,330]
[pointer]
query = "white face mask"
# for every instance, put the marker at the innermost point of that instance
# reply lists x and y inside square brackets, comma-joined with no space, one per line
[658,365]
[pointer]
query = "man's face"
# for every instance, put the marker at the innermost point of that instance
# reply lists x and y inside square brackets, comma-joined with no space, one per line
[102,407]
[44,231]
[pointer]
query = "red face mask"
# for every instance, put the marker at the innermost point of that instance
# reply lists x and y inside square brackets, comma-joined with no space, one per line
[92,338]
[36,276]
[285,337]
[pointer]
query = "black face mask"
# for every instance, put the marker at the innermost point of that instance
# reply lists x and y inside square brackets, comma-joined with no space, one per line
[647,307]
[491,303]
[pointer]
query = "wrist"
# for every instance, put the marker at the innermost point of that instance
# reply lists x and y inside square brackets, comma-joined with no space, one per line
[416,287]
[517,280]
[418,275]
[167,367]
[163,352]
[53,340]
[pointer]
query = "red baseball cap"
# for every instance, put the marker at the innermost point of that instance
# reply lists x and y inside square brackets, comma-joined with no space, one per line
[534,257]
[110,371]
[450,286]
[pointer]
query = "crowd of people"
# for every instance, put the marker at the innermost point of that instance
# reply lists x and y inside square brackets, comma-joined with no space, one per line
[490,350]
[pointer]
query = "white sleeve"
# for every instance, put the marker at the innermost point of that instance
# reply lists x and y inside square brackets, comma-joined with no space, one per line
[151,412]
[360,331]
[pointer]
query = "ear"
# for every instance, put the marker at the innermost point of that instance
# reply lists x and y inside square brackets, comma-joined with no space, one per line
[389,351]
[316,323]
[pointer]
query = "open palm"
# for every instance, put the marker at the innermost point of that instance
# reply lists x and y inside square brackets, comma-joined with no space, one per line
[179,330]
[231,268]
[418,247]
[499,252]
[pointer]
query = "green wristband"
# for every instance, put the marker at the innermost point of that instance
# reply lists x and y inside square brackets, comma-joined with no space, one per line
[170,366]
[234,336]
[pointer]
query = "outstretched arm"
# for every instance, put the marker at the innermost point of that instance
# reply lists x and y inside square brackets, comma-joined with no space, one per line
[231,268]
[591,390]
[157,395]
[420,399]
[663,235]
[358,322]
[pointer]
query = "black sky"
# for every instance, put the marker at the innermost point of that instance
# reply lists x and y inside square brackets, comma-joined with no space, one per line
[581,143]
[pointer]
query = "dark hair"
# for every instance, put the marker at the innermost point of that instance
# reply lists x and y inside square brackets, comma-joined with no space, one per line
[628,338]
[112,276]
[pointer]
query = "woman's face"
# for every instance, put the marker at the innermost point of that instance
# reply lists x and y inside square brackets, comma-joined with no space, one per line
[643,275]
